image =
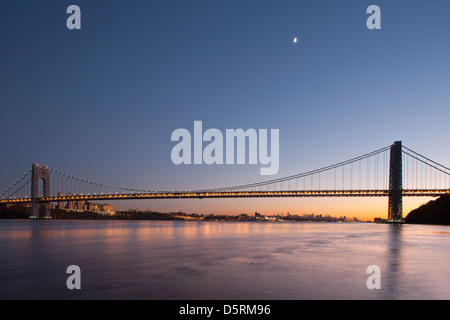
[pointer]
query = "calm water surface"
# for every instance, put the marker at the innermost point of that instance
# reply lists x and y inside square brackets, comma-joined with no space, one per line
[222,260]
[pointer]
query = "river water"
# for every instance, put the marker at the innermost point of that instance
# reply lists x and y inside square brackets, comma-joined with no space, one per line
[180,260]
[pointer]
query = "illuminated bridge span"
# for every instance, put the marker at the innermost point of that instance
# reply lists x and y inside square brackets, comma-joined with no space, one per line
[394,172]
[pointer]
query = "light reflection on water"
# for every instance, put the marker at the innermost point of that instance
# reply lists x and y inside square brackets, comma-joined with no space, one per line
[222,260]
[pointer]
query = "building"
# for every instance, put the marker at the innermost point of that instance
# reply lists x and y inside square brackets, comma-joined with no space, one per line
[60,204]
[107,208]
[80,205]
[70,204]
[88,206]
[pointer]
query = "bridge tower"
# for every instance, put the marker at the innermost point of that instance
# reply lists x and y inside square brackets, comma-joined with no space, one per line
[39,172]
[395,207]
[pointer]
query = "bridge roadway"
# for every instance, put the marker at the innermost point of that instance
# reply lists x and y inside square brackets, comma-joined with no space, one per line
[233,194]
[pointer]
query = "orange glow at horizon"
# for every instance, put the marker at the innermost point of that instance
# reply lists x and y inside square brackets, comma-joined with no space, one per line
[363,208]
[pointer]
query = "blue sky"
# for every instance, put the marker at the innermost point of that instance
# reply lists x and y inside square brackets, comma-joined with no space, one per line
[101,103]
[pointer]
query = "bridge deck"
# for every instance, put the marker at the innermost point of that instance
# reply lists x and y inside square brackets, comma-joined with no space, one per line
[234,194]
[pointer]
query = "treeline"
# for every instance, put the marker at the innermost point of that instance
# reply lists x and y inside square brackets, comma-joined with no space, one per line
[14,212]
[434,212]
[127,215]
[20,212]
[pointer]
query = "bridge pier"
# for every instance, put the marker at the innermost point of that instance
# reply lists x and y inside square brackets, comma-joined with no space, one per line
[39,172]
[395,206]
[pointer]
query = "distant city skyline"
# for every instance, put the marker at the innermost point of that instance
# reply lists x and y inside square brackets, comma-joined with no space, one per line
[102,102]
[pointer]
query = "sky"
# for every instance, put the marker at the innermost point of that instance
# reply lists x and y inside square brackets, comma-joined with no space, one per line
[101,102]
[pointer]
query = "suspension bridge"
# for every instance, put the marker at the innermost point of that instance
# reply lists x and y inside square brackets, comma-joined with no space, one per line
[394,172]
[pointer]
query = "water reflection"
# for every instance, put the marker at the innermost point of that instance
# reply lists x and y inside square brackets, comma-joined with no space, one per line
[392,275]
[222,260]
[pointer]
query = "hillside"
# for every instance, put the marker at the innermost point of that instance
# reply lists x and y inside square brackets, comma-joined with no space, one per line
[434,212]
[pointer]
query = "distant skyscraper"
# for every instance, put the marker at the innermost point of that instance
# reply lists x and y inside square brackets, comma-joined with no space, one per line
[80,205]
[60,204]
[70,204]
[89,206]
